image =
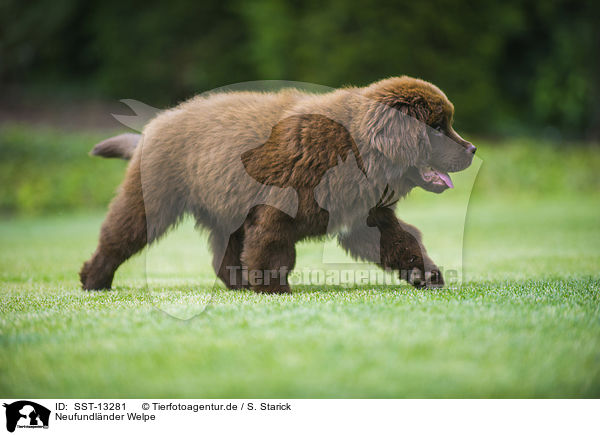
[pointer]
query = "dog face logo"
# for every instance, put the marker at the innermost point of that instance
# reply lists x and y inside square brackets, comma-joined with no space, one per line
[26,414]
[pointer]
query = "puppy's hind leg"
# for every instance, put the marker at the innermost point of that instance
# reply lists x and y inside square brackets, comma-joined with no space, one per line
[227,261]
[124,232]
[269,253]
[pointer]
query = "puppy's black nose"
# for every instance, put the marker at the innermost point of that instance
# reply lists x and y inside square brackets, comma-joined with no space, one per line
[471,148]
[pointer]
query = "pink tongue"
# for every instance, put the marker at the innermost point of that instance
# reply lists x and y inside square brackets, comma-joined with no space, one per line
[446,178]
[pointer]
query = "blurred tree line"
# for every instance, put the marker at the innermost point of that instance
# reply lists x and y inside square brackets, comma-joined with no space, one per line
[512,66]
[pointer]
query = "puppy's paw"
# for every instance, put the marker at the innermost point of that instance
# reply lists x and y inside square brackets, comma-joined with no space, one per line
[434,279]
[273,289]
[92,280]
[420,278]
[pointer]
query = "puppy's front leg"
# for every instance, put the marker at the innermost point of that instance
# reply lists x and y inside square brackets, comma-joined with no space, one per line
[399,248]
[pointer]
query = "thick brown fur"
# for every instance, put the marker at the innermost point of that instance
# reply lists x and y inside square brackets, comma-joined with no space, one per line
[121,146]
[262,171]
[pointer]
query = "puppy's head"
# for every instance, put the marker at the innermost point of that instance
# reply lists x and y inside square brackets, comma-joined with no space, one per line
[409,121]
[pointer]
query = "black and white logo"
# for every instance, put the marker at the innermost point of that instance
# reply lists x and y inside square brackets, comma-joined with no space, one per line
[25,414]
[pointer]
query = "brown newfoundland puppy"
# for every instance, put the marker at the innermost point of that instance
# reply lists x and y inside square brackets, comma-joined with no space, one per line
[262,171]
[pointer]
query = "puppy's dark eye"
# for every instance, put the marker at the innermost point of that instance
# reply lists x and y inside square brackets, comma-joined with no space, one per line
[439,128]
[412,259]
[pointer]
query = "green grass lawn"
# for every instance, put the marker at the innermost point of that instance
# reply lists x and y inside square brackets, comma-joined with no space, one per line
[524,323]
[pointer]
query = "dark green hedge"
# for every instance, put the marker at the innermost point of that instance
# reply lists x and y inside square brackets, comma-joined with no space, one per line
[510,66]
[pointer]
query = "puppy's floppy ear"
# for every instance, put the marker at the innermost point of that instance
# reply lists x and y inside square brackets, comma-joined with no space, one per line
[397,132]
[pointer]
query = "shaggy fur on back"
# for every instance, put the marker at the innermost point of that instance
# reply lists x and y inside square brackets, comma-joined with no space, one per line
[262,171]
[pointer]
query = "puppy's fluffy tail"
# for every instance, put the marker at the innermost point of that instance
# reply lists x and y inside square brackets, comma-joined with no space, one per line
[121,146]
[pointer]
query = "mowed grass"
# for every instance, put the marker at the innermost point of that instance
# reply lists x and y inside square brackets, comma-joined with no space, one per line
[524,323]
